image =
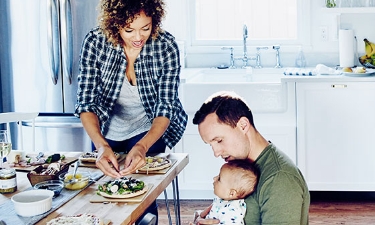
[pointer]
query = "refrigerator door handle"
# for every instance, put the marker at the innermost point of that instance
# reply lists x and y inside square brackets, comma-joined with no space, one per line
[53,39]
[67,39]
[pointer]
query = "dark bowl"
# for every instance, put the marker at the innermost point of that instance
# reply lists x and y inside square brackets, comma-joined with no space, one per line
[53,185]
[366,64]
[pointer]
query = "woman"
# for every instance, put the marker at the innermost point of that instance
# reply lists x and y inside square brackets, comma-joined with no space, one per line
[127,95]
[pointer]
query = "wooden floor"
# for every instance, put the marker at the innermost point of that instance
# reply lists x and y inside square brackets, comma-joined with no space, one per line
[325,208]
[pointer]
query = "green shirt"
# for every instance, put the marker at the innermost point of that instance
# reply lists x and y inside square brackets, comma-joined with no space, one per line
[282,195]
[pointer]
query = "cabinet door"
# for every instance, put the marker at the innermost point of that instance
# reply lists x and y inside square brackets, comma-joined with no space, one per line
[335,129]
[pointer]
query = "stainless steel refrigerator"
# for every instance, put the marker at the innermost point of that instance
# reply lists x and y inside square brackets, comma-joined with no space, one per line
[40,42]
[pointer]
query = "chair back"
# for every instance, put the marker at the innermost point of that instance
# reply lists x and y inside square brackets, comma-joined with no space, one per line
[18,117]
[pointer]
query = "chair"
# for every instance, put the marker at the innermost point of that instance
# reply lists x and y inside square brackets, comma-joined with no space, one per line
[19,117]
[148,219]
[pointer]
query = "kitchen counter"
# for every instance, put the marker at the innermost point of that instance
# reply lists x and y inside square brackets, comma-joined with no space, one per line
[327,78]
[187,73]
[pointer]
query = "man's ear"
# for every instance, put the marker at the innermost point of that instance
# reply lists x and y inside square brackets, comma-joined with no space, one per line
[243,123]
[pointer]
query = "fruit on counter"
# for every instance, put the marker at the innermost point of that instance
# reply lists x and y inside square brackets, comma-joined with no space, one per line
[347,69]
[360,70]
[369,56]
[369,48]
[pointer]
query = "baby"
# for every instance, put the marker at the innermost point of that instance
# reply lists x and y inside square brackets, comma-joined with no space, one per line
[237,180]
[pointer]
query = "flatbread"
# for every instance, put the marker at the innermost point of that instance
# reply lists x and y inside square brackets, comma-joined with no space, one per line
[82,219]
[92,156]
[157,163]
[131,195]
[123,187]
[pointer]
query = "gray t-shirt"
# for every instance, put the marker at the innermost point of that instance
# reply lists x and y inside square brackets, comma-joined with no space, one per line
[129,117]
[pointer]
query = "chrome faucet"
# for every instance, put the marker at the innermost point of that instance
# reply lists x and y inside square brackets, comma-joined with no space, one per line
[245,59]
[258,64]
[277,48]
[231,66]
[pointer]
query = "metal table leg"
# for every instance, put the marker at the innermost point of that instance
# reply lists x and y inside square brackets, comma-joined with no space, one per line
[176,200]
[167,206]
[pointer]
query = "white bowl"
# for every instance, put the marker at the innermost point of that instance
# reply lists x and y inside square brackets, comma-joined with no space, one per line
[33,202]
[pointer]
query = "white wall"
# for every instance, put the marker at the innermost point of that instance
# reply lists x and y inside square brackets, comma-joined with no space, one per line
[325,52]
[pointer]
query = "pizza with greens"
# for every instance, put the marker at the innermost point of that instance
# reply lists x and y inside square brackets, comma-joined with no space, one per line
[122,188]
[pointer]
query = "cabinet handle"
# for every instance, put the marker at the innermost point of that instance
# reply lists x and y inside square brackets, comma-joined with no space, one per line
[339,86]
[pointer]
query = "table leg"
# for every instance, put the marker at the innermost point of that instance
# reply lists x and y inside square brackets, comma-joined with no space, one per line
[167,206]
[176,200]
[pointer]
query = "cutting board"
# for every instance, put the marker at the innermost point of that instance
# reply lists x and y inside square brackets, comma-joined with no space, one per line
[92,164]
[98,198]
[67,160]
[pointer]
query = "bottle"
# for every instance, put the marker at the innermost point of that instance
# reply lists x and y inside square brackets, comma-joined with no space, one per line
[8,180]
[300,59]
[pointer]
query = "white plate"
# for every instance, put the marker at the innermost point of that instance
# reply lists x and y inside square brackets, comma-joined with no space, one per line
[368,73]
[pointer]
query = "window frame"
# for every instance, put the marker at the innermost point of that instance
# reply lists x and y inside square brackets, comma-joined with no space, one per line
[303,33]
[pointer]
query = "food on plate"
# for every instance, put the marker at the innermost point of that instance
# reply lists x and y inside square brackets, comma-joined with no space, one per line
[80,180]
[50,169]
[35,160]
[360,70]
[347,70]
[155,163]
[92,156]
[82,219]
[122,188]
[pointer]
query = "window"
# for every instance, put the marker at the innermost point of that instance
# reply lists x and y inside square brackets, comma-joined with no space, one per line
[220,22]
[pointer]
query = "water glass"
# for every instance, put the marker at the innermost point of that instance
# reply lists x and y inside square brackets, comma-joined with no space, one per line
[5,146]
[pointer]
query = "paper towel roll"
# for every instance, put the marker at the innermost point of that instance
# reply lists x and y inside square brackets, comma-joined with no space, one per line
[346,48]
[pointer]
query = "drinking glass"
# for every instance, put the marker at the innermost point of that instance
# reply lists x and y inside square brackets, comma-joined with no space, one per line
[5,146]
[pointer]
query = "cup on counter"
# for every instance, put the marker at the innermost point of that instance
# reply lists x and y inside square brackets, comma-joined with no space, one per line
[15,156]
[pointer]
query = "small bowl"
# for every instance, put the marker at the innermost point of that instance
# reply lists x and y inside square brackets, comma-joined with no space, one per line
[82,179]
[53,185]
[33,202]
[367,64]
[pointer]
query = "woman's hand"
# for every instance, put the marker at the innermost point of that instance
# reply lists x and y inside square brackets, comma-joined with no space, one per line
[106,155]
[134,160]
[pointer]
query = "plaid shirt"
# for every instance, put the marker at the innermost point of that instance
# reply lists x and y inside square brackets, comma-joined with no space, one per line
[102,72]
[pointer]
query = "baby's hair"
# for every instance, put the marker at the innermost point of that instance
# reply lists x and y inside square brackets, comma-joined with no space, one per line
[245,176]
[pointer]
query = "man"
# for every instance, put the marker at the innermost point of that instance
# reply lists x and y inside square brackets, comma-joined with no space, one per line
[282,197]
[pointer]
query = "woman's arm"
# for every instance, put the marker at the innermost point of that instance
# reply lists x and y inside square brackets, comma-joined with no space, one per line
[105,154]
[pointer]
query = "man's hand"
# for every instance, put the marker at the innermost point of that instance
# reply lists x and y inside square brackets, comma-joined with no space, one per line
[106,155]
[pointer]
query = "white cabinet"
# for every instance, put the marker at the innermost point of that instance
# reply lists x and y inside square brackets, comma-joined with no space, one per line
[335,133]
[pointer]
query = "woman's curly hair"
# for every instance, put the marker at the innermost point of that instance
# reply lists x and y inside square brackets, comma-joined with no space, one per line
[116,14]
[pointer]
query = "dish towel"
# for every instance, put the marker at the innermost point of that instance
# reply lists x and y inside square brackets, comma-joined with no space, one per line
[325,70]
[299,72]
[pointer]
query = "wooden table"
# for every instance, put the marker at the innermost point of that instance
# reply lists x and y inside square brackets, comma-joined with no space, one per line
[117,213]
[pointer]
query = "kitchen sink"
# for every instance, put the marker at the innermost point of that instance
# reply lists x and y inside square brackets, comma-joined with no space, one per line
[261,88]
